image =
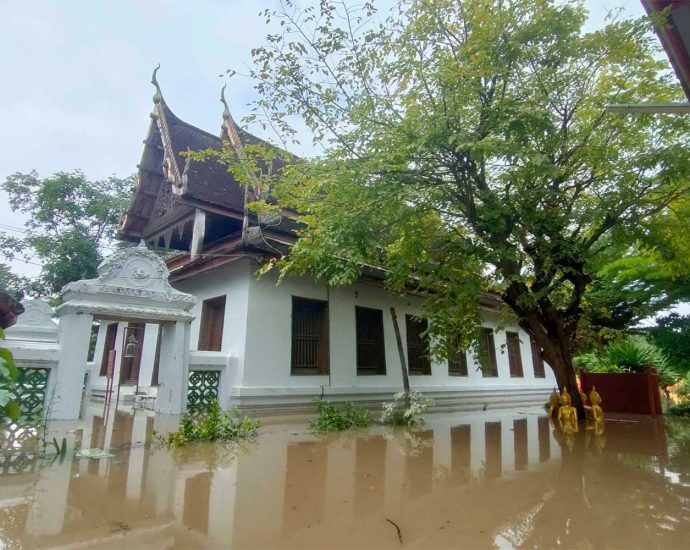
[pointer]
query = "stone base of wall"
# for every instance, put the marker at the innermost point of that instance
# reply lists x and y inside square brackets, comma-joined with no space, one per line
[444,401]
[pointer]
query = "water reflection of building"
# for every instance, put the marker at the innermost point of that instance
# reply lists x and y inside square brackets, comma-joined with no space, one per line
[288,482]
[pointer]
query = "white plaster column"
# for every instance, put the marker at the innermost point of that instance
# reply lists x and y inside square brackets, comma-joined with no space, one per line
[340,477]
[507,445]
[173,369]
[67,379]
[478,446]
[225,383]
[532,440]
[49,503]
[162,472]
[148,355]
[221,515]
[198,233]
[395,471]
[98,350]
[442,448]
[502,365]
[135,464]
[119,353]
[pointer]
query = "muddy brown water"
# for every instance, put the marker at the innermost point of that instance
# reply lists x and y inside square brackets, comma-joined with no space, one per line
[493,479]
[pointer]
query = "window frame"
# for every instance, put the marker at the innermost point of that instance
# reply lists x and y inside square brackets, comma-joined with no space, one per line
[538,366]
[514,355]
[488,350]
[377,340]
[322,338]
[212,324]
[457,365]
[423,356]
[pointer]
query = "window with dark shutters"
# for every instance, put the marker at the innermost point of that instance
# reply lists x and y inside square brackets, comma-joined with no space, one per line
[371,355]
[514,358]
[537,360]
[418,361]
[309,336]
[457,365]
[487,353]
[211,326]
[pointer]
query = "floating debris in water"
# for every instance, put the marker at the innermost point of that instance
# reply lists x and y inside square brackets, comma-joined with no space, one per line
[94,453]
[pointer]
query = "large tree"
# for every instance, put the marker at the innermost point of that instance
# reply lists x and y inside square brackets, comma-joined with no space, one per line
[72,220]
[642,275]
[467,148]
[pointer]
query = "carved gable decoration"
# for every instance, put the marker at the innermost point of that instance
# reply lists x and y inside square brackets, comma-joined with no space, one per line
[165,210]
[133,282]
[35,324]
[164,202]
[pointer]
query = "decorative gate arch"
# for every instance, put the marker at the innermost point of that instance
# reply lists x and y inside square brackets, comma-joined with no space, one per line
[132,285]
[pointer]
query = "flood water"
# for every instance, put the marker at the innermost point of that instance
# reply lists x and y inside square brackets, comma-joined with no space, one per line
[493,479]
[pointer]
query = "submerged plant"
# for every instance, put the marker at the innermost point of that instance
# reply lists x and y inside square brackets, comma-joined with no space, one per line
[337,418]
[212,425]
[682,409]
[406,409]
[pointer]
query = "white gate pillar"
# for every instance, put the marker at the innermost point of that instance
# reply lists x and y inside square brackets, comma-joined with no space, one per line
[173,368]
[66,381]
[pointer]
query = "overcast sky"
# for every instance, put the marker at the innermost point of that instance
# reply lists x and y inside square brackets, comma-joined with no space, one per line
[76,89]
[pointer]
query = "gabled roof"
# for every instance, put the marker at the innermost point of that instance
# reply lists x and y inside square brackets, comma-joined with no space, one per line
[207,181]
[204,184]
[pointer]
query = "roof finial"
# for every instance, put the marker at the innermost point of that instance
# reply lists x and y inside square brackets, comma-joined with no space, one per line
[226,109]
[158,95]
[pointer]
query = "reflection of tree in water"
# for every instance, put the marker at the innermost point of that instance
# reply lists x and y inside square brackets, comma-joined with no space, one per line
[213,454]
[410,442]
[601,498]
[678,431]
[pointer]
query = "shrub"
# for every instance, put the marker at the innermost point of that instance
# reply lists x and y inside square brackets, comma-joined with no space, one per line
[213,425]
[337,418]
[9,408]
[406,412]
[679,410]
[632,354]
[635,354]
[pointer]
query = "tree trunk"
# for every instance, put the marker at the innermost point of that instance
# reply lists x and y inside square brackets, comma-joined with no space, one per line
[564,370]
[403,362]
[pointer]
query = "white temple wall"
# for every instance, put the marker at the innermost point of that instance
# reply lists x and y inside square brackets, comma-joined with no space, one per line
[268,343]
[255,354]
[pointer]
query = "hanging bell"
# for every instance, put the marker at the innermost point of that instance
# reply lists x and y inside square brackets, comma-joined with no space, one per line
[131,347]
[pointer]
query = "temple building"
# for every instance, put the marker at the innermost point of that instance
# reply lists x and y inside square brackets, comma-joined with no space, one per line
[263,345]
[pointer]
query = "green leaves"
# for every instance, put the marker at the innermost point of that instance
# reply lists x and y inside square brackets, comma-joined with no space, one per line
[212,425]
[467,149]
[71,220]
[339,417]
[8,376]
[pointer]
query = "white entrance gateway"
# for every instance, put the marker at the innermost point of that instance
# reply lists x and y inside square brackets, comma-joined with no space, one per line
[132,285]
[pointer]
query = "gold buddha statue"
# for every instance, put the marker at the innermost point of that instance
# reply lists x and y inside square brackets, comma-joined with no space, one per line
[567,414]
[595,400]
[554,404]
